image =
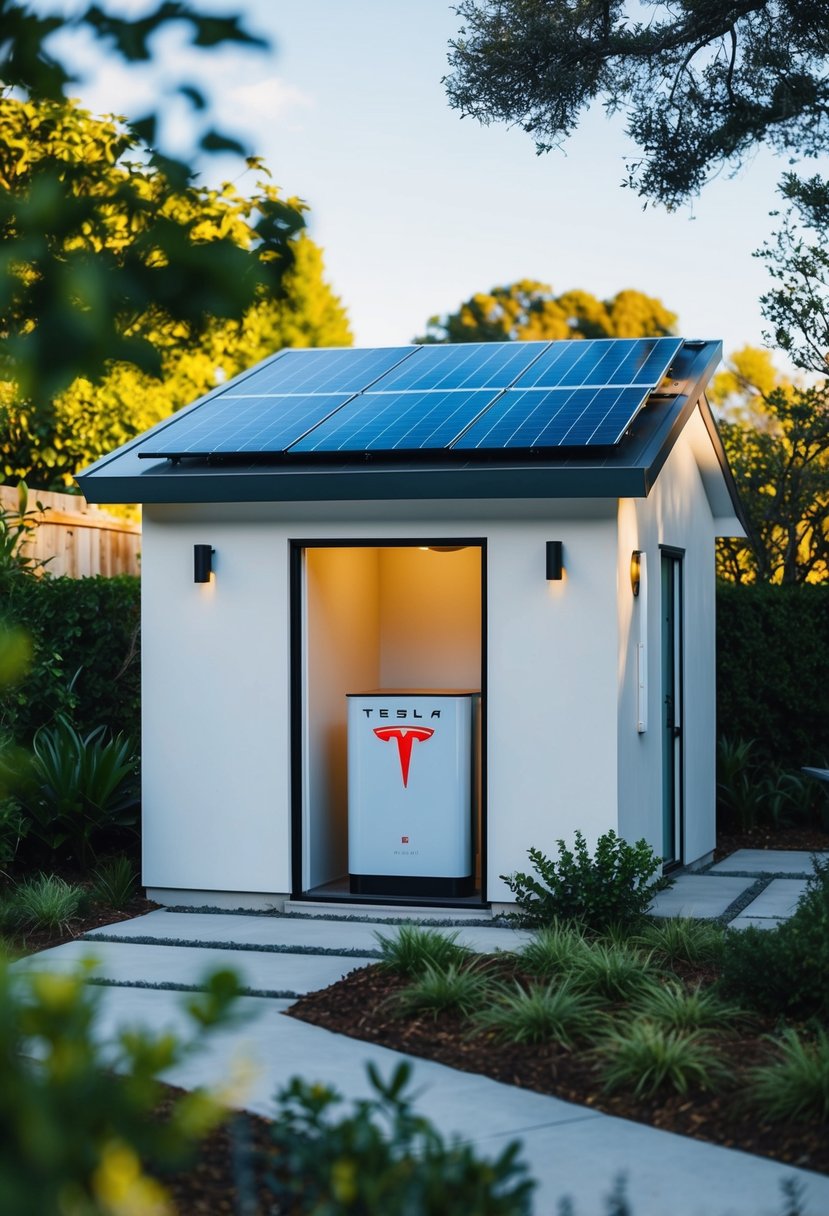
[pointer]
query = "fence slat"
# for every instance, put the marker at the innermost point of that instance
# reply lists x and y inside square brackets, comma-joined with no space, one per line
[77,540]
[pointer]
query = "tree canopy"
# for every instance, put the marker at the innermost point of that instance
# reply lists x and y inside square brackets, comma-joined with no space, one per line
[776,436]
[701,84]
[529,311]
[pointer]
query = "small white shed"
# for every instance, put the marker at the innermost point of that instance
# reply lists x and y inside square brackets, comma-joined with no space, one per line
[533,522]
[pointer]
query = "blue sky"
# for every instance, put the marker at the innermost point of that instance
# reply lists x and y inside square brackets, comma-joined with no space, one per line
[417,209]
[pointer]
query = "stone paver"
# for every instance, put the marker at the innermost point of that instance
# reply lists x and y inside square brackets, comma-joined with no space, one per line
[287,932]
[759,922]
[767,861]
[699,895]
[779,899]
[124,963]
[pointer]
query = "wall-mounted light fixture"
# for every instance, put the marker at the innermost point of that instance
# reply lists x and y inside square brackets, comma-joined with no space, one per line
[555,560]
[635,571]
[202,563]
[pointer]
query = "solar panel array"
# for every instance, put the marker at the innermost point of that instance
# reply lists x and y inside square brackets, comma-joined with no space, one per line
[475,397]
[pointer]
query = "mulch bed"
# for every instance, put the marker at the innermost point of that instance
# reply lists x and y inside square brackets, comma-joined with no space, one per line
[31,941]
[359,1006]
[811,839]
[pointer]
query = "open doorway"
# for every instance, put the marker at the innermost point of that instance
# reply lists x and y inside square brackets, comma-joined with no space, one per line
[371,617]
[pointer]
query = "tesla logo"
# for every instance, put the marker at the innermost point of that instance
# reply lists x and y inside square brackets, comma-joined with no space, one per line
[404,737]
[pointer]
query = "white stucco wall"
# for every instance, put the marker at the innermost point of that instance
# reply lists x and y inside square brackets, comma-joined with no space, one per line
[216,700]
[676,514]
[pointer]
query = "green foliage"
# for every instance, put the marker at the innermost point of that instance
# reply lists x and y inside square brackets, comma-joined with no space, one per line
[617,973]
[678,939]
[741,793]
[675,1007]
[612,886]
[796,1084]
[558,1012]
[785,970]
[44,902]
[554,950]
[114,882]
[528,311]
[76,1132]
[701,86]
[782,700]
[644,1057]
[81,788]
[382,1157]
[413,949]
[85,665]
[461,989]
[16,529]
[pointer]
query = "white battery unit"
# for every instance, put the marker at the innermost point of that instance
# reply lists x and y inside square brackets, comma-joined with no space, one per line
[410,793]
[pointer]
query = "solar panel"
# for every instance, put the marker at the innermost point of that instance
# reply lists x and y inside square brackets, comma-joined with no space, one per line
[466,365]
[548,418]
[339,370]
[234,425]
[392,422]
[603,362]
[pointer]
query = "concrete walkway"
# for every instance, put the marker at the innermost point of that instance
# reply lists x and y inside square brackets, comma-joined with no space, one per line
[571,1150]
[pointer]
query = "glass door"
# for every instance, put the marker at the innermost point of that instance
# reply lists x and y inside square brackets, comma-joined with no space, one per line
[672,782]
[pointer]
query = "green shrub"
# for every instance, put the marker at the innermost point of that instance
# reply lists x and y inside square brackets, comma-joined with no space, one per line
[76,1132]
[676,1007]
[440,990]
[382,1158]
[45,902]
[613,886]
[413,949]
[114,882]
[557,1012]
[81,789]
[617,973]
[553,951]
[784,970]
[796,1084]
[789,627]
[679,939]
[644,1057]
[86,654]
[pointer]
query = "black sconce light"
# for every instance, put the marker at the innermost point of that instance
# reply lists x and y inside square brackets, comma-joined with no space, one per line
[555,560]
[202,563]
[635,571]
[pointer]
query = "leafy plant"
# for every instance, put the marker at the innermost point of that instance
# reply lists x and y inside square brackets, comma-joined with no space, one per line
[438,990]
[553,951]
[114,882]
[75,1128]
[82,787]
[796,1084]
[615,972]
[45,902]
[615,885]
[644,1057]
[679,939]
[676,1007]
[382,1157]
[16,530]
[741,793]
[784,970]
[413,949]
[556,1012]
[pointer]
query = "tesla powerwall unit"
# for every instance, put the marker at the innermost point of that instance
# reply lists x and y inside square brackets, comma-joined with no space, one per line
[410,792]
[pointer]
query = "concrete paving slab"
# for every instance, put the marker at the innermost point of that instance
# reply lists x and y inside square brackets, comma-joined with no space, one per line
[571,1150]
[217,928]
[699,895]
[778,899]
[759,922]
[768,861]
[123,963]
[360,911]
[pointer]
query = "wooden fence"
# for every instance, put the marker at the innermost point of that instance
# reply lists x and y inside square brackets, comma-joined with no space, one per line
[78,540]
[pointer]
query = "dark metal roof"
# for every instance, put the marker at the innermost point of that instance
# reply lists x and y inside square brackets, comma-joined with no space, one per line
[627,470]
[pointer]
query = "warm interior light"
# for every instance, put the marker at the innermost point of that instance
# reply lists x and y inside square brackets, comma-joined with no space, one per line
[635,571]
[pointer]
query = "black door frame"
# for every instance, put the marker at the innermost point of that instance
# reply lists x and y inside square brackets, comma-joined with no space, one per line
[677,558]
[296,549]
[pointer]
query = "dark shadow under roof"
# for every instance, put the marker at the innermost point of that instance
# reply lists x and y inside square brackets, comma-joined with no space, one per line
[569,419]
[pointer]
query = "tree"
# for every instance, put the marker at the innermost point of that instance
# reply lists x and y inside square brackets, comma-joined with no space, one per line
[100,233]
[528,311]
[90,418]
[776,437]
[701,84]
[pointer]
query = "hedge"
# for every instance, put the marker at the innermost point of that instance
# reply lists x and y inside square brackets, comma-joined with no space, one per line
[86,661]
[773,670]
